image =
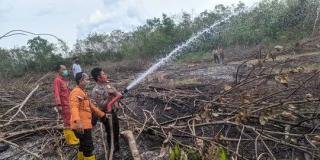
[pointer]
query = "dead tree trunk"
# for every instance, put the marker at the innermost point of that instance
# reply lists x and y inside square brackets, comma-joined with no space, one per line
[132,144]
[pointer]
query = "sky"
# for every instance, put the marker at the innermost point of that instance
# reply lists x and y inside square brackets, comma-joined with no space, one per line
[75,19]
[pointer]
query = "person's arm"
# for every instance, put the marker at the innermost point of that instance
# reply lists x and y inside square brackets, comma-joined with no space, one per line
[112,91]
[80,69]
[56,92]
[74,109]
[114,96]
[95,110]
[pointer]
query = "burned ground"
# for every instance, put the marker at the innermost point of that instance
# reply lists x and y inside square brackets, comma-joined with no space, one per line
[270,111]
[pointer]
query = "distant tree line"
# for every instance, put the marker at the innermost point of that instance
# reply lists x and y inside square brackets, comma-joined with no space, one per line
[271,21]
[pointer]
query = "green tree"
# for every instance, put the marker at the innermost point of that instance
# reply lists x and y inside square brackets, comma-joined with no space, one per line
[42,54]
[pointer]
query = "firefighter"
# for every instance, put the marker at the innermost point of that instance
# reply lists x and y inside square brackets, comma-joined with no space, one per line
[82,110]
[61,99]
[103,94]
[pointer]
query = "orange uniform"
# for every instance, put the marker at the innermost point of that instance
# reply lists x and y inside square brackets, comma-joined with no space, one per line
[82,108]
[61,97]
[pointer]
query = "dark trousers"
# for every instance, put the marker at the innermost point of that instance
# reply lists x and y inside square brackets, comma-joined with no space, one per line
[116,129]
[216,59]
[86,143]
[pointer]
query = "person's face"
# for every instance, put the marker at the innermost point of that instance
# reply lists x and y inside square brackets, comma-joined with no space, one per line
[103,77]
[85,81]
[62,68]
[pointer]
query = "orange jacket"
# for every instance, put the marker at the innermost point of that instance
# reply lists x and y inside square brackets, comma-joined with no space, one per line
[82,108]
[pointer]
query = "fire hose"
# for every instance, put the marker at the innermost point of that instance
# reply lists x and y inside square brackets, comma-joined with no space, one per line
[115,98]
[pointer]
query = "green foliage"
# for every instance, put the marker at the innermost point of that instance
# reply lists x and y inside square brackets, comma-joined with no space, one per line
[215,152]
[194,56]
[178,153]
[100,47]
[270,22]
[38,56]
[42,57]
[193,155]
[175,153]
[223,155]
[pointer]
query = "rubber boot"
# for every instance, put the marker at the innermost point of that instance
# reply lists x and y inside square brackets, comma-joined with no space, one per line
[74,140]
[93,157]
[80,156]
[70,137]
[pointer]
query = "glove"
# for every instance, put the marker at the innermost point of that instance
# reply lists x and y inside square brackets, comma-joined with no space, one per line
[104,119]
[113,100]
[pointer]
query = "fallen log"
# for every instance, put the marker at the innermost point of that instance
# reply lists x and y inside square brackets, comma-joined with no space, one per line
[132,144]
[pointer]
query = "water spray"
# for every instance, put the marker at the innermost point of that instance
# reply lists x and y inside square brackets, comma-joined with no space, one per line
[174,53]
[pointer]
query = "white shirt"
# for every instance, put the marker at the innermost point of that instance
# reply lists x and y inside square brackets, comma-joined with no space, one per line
[76,69]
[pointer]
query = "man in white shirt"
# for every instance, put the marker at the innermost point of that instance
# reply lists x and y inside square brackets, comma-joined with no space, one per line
[76,68]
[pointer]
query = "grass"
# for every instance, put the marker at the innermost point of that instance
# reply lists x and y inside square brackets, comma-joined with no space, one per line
[186,82]
[193,57]
[281,57]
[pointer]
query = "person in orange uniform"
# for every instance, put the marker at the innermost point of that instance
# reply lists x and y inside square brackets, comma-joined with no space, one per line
[61,99]
[82,109]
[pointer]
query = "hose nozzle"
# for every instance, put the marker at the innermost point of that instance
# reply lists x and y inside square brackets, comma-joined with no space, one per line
[125,91]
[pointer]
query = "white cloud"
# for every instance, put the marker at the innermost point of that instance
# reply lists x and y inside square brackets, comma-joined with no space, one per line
[127,14]
[98,16]
[122,14]
[58,17]
[72,19]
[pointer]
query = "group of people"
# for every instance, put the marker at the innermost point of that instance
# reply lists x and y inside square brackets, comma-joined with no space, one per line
[81,112]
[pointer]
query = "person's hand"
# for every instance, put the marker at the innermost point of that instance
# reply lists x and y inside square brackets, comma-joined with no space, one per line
[104,119]
[113,101]
[108,115]
[79,126]
[109,108]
